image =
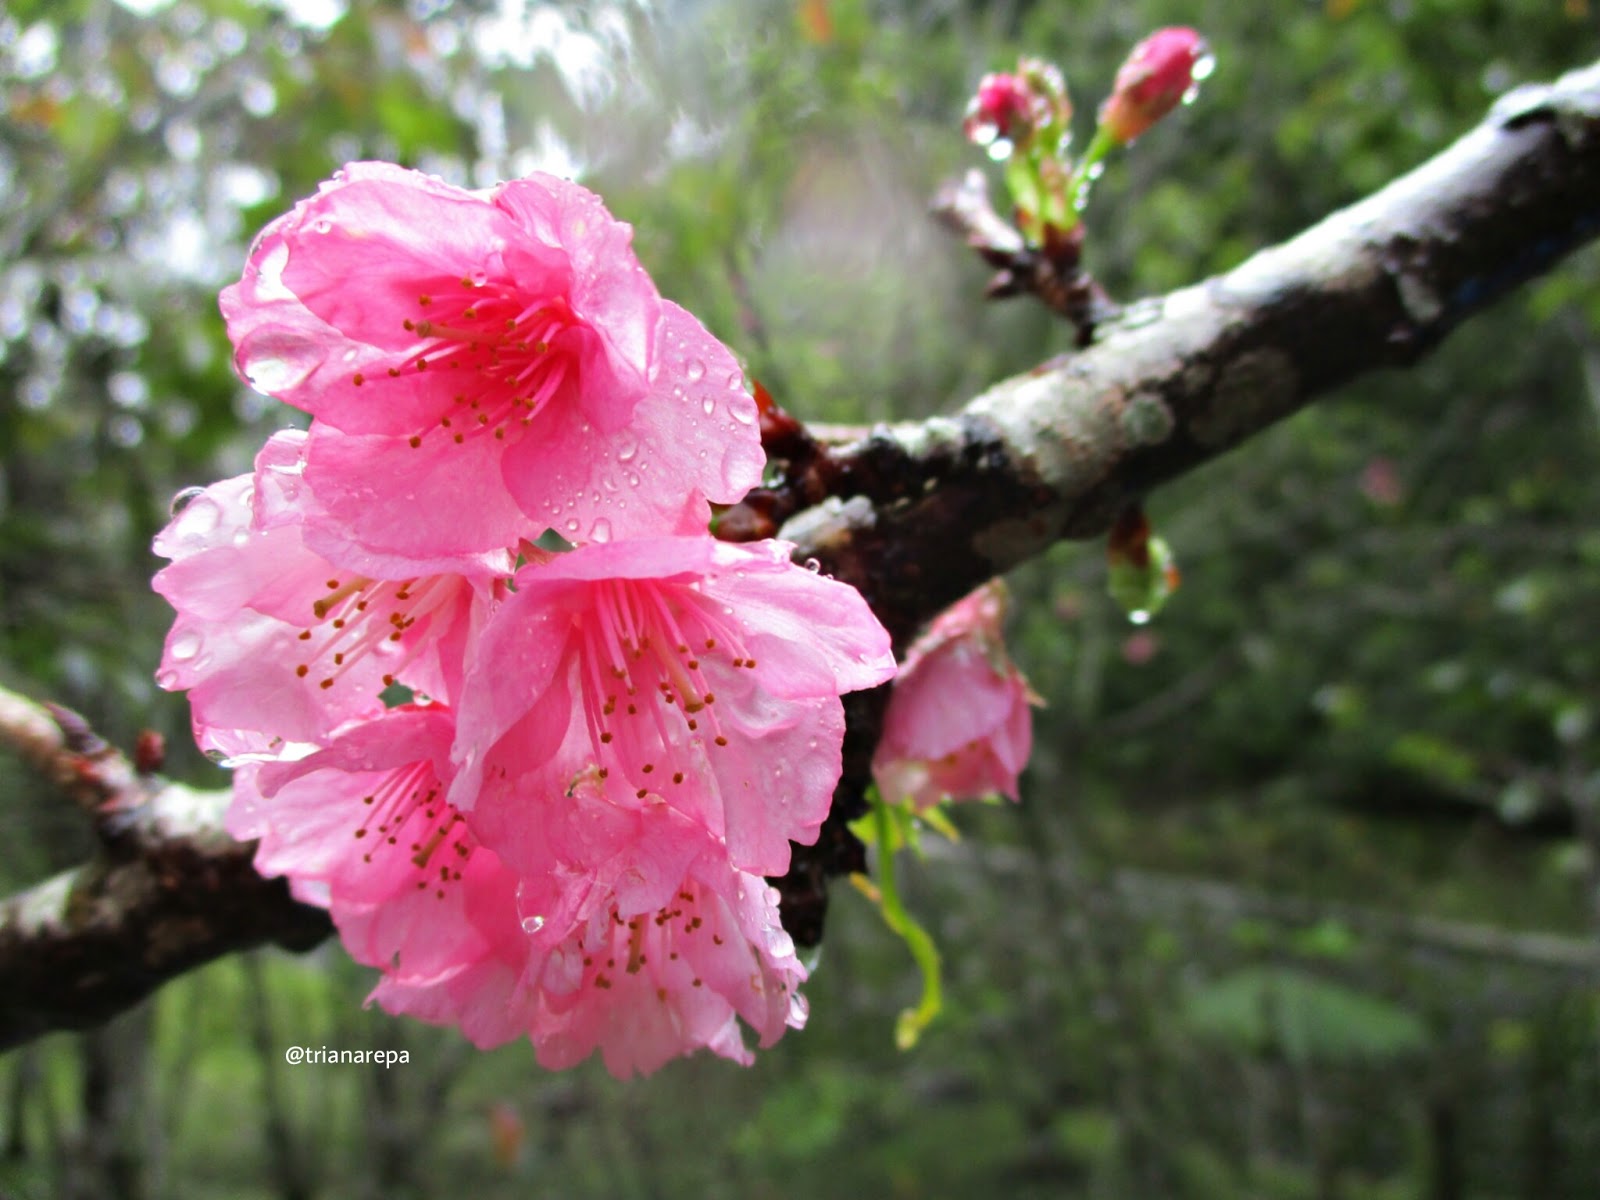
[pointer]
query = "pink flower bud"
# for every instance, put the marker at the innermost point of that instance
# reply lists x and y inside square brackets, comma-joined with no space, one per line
[1010,111]
[1157,76]
[1003,108]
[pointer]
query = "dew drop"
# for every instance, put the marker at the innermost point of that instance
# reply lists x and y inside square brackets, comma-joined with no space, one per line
[745,414]
[1139,616]
[695,370]
[708,406]
[241,537]
[600,531]
[813,565]
[167,680]
[633,480]
[185,646]
[532,924]
[217,756]
[572,525]
[736,382]
[627,449]
[323,225]
[182,499]
[1000,149]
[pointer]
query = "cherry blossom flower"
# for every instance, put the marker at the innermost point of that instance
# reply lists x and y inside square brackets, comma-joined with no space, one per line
[479,362]
[958,725]
[652,947]
[276,644]
[703,673]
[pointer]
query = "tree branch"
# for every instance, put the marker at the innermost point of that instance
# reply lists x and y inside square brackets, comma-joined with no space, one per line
[168,890]
[917,514]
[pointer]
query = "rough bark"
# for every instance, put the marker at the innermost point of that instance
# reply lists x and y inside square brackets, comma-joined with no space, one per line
[917,514]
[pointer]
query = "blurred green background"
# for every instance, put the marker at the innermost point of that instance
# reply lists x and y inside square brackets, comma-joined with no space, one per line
[1301,900]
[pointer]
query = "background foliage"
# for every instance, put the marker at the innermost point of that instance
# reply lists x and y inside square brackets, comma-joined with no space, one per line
[1301,899]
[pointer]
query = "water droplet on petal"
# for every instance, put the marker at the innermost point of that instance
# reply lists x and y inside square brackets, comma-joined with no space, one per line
[813,565]
[167,680]
[745,414]
[182,499]
[185,646]
[600,531]
[708,406]
[626,449]
[695,370]
[572,525]
[532,924]
[323,225]
[241,537]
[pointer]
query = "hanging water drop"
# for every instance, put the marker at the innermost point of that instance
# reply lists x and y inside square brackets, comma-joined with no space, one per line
[185,646]
[182,499]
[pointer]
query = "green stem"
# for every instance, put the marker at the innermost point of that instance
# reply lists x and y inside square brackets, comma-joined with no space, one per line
[1083,176]
[912,1021]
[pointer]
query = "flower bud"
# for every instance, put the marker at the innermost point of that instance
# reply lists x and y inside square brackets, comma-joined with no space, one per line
[995,112]
[1010,110]
[1160,73]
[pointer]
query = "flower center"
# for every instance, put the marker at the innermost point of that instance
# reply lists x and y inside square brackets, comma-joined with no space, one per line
[492,349]
[408,804]
[612,944]
[644,649]
[360,616]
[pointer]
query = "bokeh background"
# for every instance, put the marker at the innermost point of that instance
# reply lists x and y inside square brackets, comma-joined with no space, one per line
[1301,899]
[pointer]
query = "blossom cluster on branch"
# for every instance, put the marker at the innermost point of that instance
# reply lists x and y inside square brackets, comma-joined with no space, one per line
[537,780]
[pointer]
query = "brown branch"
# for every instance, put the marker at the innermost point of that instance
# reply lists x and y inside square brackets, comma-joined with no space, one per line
[168,890]
[915,515]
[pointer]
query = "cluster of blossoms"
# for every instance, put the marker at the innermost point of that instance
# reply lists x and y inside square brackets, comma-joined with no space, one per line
[539,789]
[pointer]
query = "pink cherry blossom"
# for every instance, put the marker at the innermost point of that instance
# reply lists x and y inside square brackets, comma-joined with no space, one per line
[276,644]
[639,938]
[703,674]
[483,362]
[958,724]
[361,829]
